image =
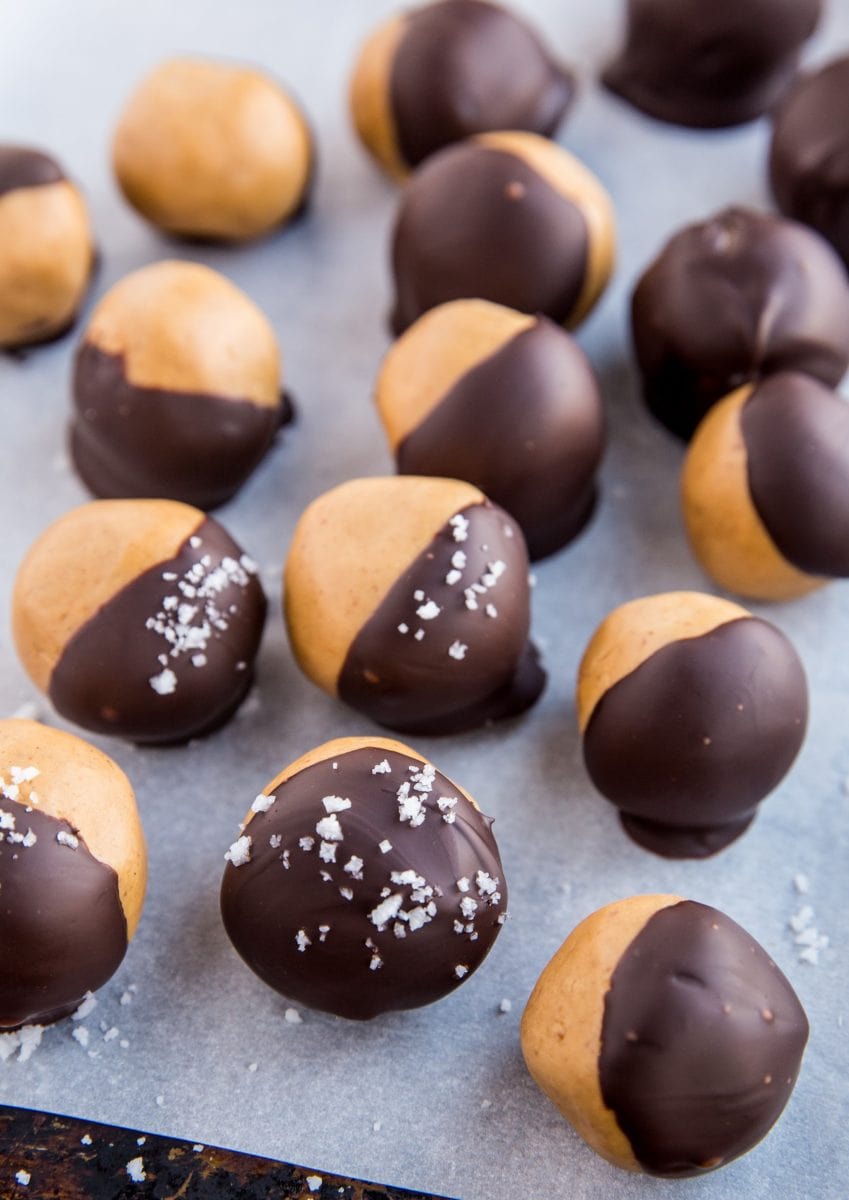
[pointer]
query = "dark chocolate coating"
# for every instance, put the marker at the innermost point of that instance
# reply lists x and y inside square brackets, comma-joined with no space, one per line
[62,928]
[710,64]
[731,300]
[131,441]
[102,680]
[285,889]
[796,434]
[701,1041]
[417,686]
[464,67]
[526,426]
[809,155]
[479,222]
[687,744]
[21,167]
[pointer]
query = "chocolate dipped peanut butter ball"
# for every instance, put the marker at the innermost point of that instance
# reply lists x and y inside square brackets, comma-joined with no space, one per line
[364,881]
[215,151]
[508,217]
[73,868]
[408,598]
[809,154]
[710,65]
[765,488]
[176,387]
[502,399]
[447,70]
[46,248]
[666,1035]
[733,299]
[139,618]
[691,711]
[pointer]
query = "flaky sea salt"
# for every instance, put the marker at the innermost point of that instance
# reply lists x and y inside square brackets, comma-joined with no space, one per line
[240,851]
[135,1170]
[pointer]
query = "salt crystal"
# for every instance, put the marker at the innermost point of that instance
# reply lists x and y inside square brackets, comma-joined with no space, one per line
[135,1170]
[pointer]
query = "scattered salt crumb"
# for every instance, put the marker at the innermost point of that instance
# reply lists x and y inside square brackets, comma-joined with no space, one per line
[240,852]
[292,1017]
[199,660]
[135,1170]
[140,1141]
[160,1100]
[801,919]
[314,1182]
[88,1005]
[377,1126]
[164,683]
[329,828]
[67,839]
[198,1147]
[81,1035]
[124,1044]
[335,804]
[111,1034]
[23,1177]
[85,1140]
[381,768]
[802,884]
[262,803]
[463,884]
[419,634]
[453,576]
[385,846]
[505,1006]
[403,627]
[252,1067]
[460,970]
[457,650]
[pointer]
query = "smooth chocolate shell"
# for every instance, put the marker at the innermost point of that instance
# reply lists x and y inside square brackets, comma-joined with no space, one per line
[21,167]
[702,1039]
[355,909]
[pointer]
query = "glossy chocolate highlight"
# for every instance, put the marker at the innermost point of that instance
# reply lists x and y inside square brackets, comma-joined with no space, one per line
[130,441]
[170,656]
[64,930]
[688,744]
[370,884]
[464,67]
[438,657]
[479,222]
[701,1041]
[526,426]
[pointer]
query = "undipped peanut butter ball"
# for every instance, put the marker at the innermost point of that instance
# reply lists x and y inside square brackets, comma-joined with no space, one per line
[438,73]
[73,868]
[176,387]
[211,150]
[666,1035]
[46,248]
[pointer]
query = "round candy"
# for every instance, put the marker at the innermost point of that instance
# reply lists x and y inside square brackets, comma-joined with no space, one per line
[691,711]
[73,868]
[508,217]
[504,400]
[46,248]
[712,64]
[176,387]
[408,598]
[363,881]
[444,71]
[666,1035]
[730,300]
[809,156]
[765,488]
[208,150]
[139,618]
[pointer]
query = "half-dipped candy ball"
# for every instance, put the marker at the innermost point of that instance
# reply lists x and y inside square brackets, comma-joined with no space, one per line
[364,881]
[733,299]
[73,868]
[666,1035]
[507,217]
[691,711]
[809,155]
[139,618]
[176,387]
[443,71]
[765,488]
[46,248]
[408,599]
[504,400]
[713,64]
[209,150]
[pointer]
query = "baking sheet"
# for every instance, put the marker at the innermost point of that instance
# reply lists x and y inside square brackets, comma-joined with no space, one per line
[436,1099]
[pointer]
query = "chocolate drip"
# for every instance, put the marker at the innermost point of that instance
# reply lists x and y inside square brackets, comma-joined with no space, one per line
[21,167]
[113,675]
[479,222]
[470,664]
[796,434]
[131,441]
[62,928]
[809,157]
[701,1041]
[464,67]
[359,959]
[731,300]
[710,65]
[526,426]
[698,734]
